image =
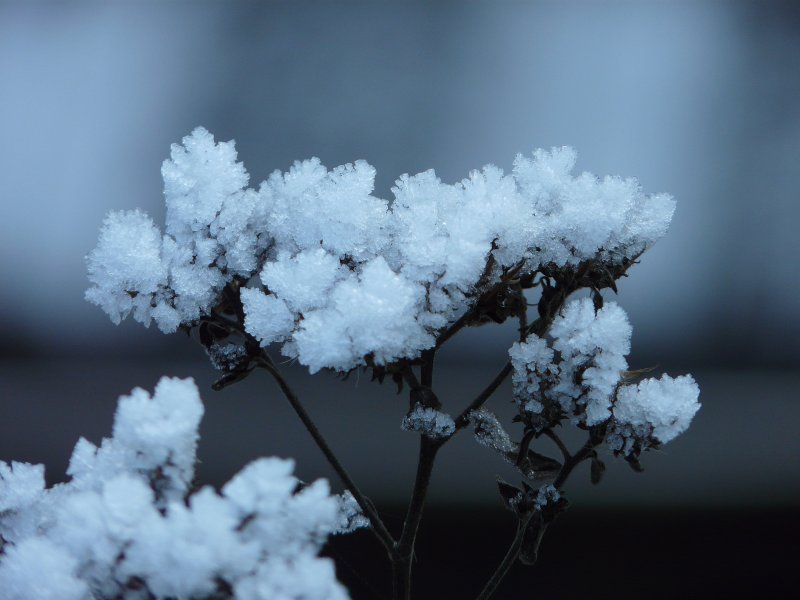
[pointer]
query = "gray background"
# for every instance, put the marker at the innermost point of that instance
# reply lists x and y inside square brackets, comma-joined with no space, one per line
[699,99]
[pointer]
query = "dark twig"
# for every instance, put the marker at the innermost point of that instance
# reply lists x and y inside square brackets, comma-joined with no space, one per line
[508,560]
[404,549]
[463,419]
[561,446]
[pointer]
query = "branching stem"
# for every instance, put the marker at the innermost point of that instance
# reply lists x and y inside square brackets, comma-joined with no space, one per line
[463,419]
[402,562]
[561,446]
[508,560]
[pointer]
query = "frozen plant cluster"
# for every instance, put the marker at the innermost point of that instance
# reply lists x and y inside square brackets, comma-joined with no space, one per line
[125,525]
[311,260]
[580,375]
[342,278]
[490,433]
[429,422]
[653,412]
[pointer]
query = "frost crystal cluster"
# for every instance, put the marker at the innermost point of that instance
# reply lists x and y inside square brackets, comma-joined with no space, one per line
[340,277]
[429,422]
[125,525]
[580,376]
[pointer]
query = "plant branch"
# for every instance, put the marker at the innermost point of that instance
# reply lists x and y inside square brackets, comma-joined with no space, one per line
[561,446]
[508,560]
[401,564]
[463,419]
[426,370]
[378,527]
[572,462]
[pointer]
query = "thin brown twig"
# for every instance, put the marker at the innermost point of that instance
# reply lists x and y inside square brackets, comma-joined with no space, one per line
[463,419]
[557,441]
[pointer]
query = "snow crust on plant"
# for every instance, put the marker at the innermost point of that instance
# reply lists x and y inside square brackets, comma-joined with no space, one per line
[655,411]
[580,374]
[429,422]
[343,278]
[490,433]
[532,361]
[590,347]
[124,526]
[596,343]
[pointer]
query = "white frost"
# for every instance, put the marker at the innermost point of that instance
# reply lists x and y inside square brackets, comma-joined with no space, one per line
[125,517]
[349,278]
[581,369]
[429,422]
[660,409]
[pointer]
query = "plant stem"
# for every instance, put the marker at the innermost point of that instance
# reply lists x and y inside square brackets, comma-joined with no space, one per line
[573,462]
[463,419]
[428,448]
[557,440]
[378,527]
[507,562]
[404,548]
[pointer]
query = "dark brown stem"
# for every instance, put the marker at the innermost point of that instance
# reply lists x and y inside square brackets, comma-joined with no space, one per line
[508,560]
[378,527]
[426,370]
[410,377]
[454,328]
[561,446]
[463,419]
[572,462]
[404,548]
[428,448]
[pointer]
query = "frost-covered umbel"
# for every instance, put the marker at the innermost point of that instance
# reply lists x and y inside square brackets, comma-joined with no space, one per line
[580,375]
[342,278]
[120,528]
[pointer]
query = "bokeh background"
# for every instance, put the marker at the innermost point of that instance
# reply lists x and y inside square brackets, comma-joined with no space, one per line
[699,99]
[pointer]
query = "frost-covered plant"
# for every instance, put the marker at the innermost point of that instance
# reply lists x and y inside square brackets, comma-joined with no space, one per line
[343,280]
[128,525]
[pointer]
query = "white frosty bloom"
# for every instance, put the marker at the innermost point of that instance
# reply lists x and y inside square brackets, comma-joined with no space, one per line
[660,409]
[126,268]
[156,437]
[532,361]
[582,216]
[304,280]
[369,314]
[21,484]
[37,569]
[311,207]
[429,422]
[351,517]
[267,318]
[124,517]
[351,279]
[596,343]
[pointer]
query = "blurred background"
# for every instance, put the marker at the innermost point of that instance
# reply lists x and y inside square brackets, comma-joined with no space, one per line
[698,99]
